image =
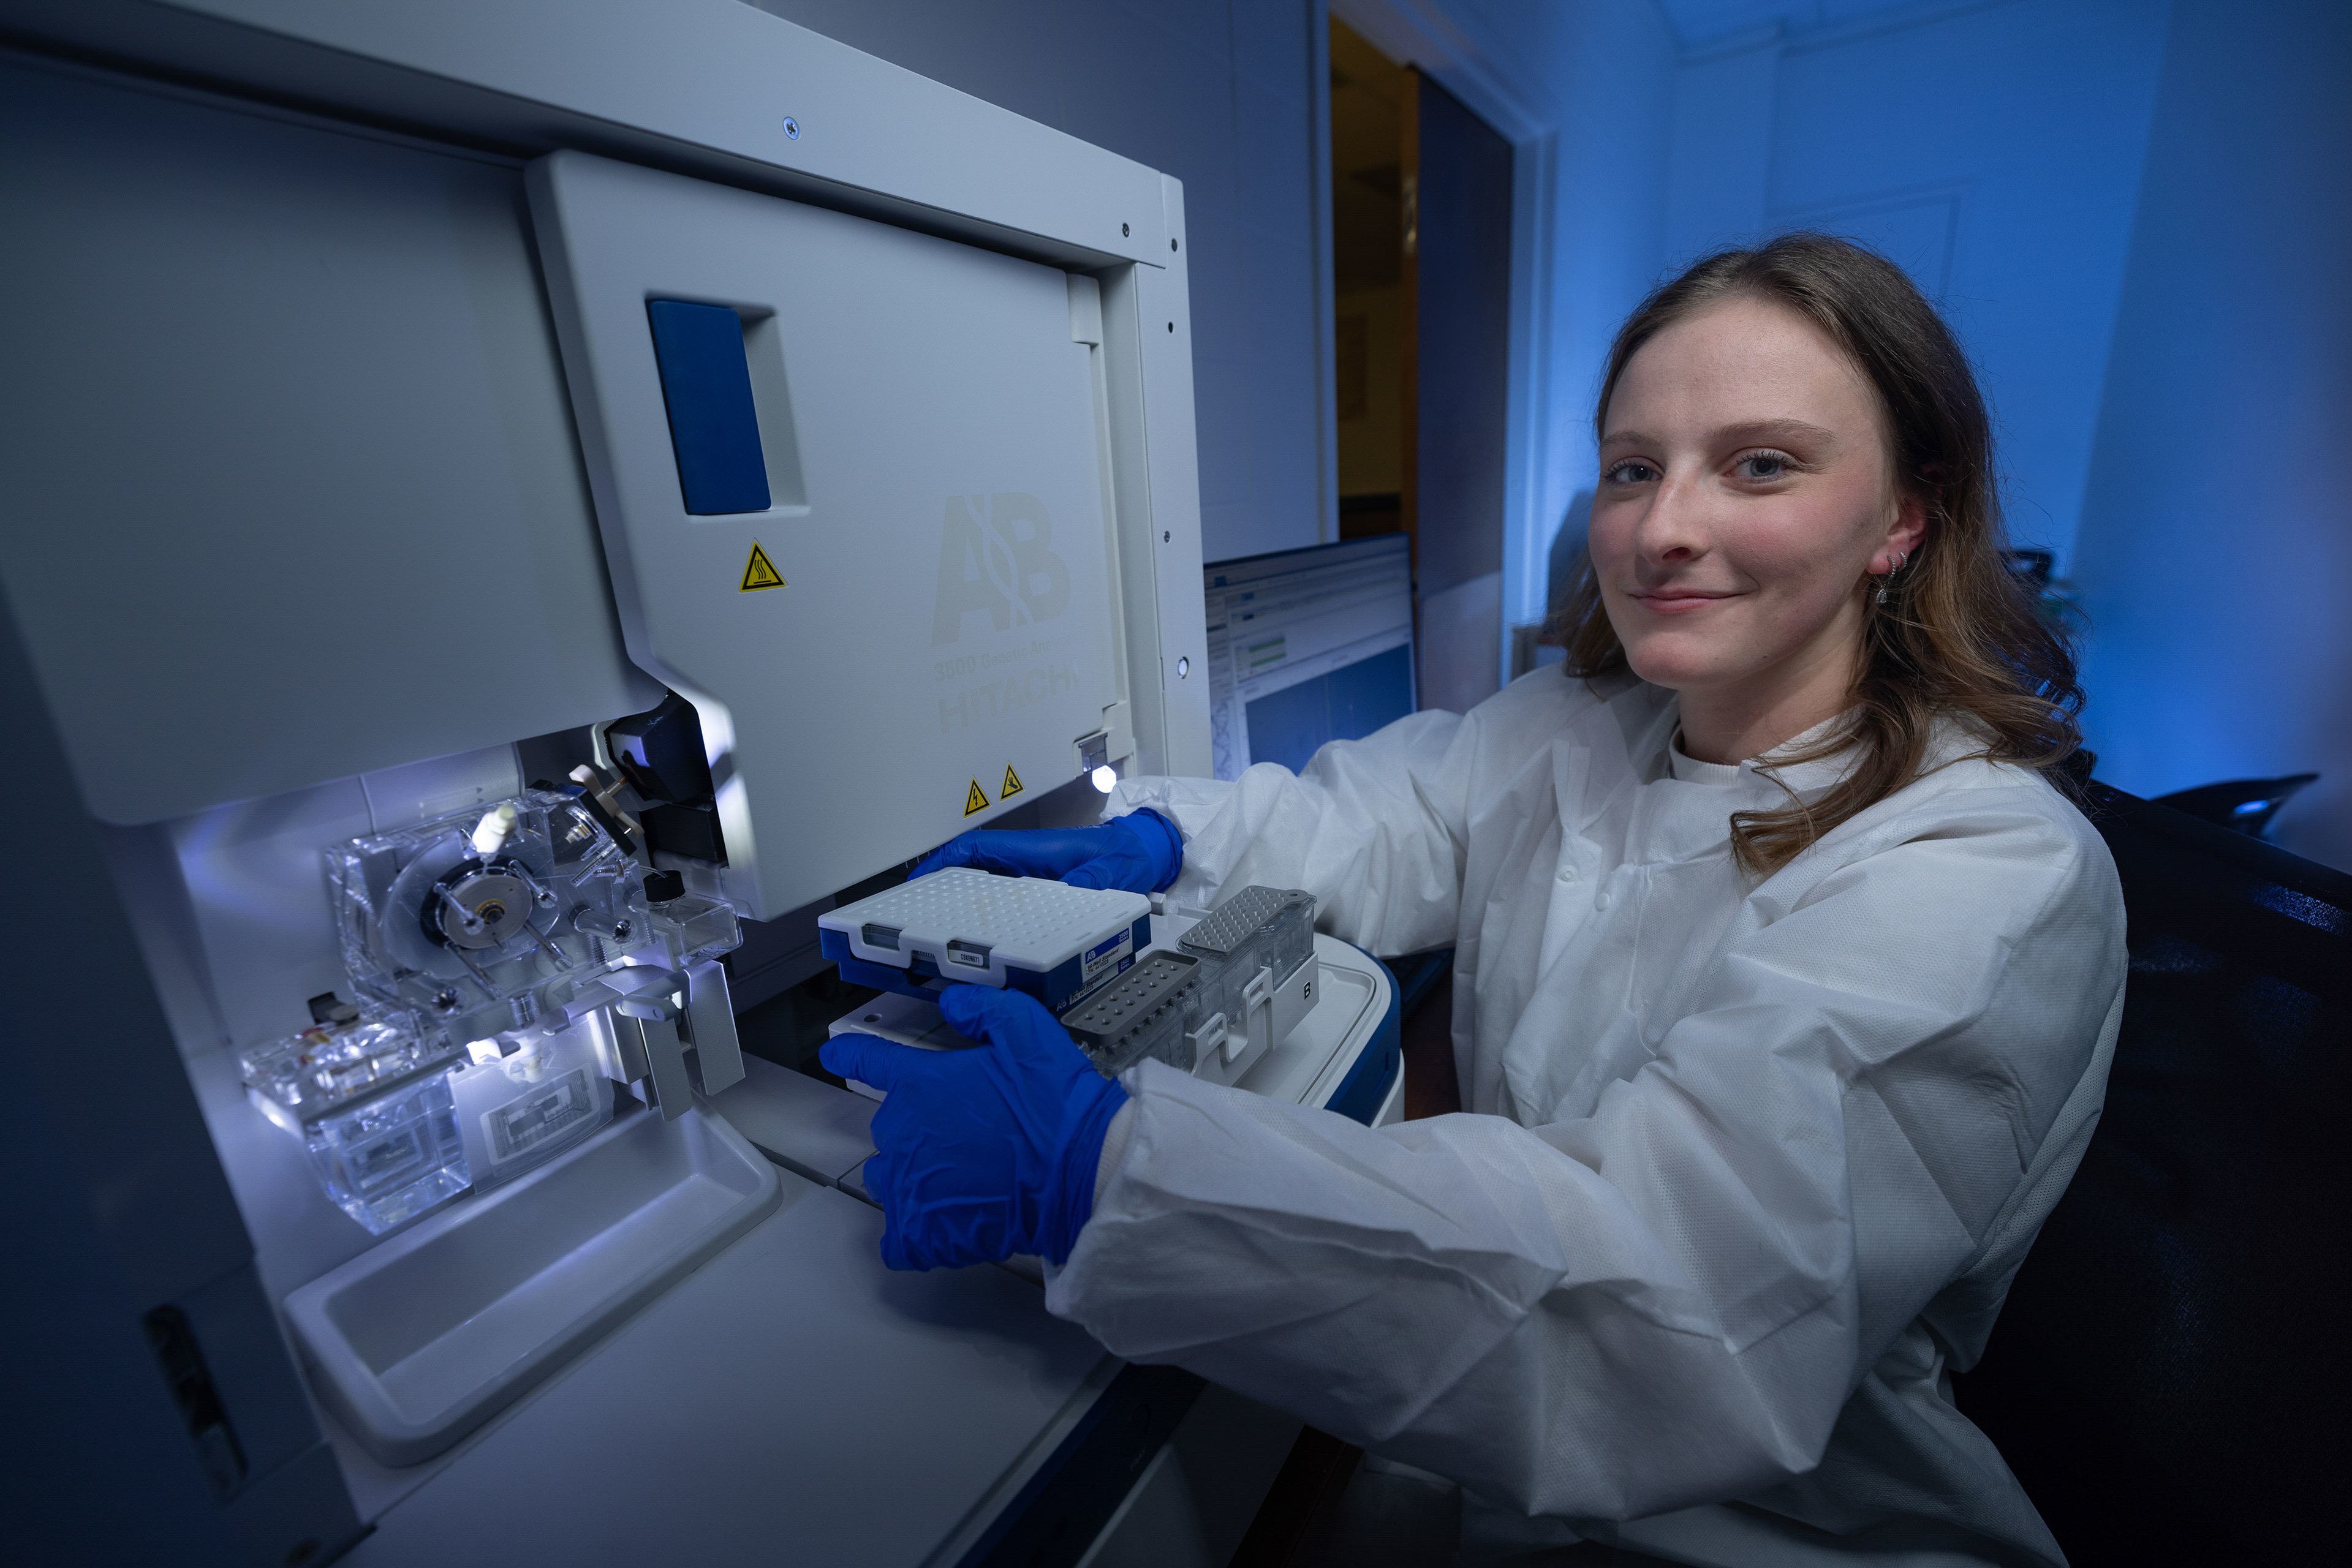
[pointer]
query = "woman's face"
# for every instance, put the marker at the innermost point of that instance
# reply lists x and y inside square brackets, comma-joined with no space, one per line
[1745,492]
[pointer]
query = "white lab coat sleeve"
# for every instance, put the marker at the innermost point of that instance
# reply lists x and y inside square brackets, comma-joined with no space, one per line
[1373,828]
[1665,1302]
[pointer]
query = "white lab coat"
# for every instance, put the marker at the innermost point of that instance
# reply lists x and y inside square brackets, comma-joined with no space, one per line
[1748,1168]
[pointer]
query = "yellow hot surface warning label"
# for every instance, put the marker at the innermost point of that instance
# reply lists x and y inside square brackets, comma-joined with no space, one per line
[760,572]
[1011,784]
[974,798]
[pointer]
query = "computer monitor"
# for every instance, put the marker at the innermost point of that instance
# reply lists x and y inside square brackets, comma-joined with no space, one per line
[1306,646]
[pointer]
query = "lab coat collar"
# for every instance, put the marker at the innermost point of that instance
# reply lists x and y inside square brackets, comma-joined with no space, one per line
[1808,777]
[1662,814]
[1761,775]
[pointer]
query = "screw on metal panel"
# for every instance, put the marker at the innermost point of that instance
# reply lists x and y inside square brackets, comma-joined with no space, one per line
[1171,326]
[1183,668]
[1165,536]
[791,129]
[1171,244]
[1122,231]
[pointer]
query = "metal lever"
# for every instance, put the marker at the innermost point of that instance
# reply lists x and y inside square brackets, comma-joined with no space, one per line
[662,1014]
[648,1021]
[710,1028]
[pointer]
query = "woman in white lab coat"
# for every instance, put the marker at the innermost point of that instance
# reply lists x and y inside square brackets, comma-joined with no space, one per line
[1786,982]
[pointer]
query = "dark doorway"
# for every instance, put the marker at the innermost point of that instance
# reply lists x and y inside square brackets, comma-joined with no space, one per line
[1420,213]
[1367,96]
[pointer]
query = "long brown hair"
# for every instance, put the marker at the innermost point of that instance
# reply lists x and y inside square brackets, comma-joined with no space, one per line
[1958,636]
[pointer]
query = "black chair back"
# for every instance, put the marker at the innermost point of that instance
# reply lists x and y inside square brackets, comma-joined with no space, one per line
[2244,805]
[2167,1378]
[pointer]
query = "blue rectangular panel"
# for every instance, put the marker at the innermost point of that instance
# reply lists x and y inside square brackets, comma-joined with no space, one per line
[1370,694]
[707,385]
[1290,726]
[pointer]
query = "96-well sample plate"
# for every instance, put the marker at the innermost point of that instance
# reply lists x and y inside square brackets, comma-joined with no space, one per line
[1027,933]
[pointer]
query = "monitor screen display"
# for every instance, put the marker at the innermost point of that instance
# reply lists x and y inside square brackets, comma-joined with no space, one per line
[1308,646]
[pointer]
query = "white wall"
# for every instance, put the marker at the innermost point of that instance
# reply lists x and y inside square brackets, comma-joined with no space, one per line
[1995,153]
[2136,214]
[2216,554]
[1222,95]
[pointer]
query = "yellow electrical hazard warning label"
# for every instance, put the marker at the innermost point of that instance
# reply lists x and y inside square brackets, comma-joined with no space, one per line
[760,572]
[974,800]
[1011,784]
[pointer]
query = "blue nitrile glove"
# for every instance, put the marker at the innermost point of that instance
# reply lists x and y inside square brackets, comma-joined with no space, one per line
[985,1153]
[1141,852]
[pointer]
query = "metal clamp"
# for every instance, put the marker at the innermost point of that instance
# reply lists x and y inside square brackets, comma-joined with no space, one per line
[659,1014]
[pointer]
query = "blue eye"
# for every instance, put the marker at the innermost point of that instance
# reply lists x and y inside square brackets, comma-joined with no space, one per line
[1630,472]
[1763,465]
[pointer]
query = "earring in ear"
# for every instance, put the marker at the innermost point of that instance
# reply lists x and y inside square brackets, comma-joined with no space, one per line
[1899,558]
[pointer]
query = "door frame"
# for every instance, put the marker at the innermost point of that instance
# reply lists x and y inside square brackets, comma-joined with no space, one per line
[1520,107]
